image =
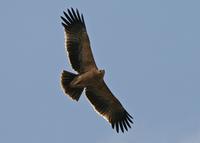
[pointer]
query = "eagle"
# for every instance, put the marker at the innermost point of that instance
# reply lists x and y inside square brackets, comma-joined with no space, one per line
[88,76]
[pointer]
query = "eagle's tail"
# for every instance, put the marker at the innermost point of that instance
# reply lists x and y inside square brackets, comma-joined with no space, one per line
[66,78]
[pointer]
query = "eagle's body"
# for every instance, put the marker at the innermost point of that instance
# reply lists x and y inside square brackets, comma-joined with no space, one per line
[89,77]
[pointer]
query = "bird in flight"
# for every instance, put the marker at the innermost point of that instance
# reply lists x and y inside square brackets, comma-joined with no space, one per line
[88,76]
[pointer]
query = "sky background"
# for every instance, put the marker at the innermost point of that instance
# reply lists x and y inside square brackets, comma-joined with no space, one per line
[149,49]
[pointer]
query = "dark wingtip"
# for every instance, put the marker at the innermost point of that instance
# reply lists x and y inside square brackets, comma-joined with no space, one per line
[121,127]
[129,119]
[113,125]
[66,22]
[117,127]
[73,17]
[128,124]
[72,10]
[77,12]
[82,18]
[123,123]
[63,24]
[129,115]
[64,13]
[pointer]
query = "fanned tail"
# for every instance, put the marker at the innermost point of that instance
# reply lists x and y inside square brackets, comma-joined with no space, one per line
[66,78]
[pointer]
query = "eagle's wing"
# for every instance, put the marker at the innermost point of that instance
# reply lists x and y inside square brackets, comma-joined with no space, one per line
[77,41]
[105,103]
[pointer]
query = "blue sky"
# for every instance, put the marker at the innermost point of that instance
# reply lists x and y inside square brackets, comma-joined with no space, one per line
[149,49]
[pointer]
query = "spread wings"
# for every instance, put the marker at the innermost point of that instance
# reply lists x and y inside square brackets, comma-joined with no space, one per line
[82,60]
[109,106]
[77,41]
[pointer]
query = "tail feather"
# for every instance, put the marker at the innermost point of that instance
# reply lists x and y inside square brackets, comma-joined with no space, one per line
[66,78]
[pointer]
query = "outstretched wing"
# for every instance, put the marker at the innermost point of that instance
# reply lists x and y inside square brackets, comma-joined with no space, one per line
[109,106]
[77,41]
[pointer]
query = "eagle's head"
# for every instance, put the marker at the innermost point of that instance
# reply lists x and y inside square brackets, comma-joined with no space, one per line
[101,73]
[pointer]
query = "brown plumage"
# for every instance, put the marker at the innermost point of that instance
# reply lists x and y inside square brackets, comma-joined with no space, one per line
[89,77]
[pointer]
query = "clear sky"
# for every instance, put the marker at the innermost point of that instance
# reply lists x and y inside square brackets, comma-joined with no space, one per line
[149,49]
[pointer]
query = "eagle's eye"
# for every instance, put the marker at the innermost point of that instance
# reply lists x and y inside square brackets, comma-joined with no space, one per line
[102,71]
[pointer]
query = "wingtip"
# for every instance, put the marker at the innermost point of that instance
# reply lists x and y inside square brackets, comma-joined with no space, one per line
[72,9]
[112,124]
[82,18]
[62,18]
[123,124]
[64,13]
[72,16]
[129,115]
[121,127]
[129,119]
[63,24]
[117,127]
